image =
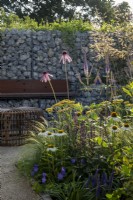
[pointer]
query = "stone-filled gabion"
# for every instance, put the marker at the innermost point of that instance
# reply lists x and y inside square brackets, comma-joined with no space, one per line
[25,54]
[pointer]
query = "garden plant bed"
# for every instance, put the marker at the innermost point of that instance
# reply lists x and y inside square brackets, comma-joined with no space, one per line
[75,155]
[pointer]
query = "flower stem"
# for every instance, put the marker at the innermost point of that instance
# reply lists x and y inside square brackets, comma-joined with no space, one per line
[53,91]
[67,81]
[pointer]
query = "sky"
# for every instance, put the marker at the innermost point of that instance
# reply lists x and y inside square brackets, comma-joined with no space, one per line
[129,1]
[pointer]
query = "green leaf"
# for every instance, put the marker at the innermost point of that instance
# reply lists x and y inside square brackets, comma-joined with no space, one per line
[109,196]
[98,140]
[94,116]
[127,92]
[104,144]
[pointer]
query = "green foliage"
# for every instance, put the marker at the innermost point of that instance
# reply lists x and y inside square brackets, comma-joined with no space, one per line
[89,147]
[128,89]
[114,45]
[57,9]
[71,191]
[69,29]
[122,13]
[116,195]
[13,21]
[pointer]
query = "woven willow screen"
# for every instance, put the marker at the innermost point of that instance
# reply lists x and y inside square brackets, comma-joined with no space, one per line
[15,124]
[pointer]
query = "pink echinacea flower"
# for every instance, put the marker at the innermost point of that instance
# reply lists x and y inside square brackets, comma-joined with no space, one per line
[65,57]
[46,77]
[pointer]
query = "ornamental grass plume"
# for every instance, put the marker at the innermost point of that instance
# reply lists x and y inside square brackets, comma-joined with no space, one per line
[46,78]
[64,59]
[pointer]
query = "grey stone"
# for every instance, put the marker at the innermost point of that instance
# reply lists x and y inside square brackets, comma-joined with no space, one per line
[50,52]
[24,56]
[58,41]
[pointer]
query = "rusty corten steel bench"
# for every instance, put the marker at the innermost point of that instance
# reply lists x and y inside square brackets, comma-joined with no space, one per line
[28,88]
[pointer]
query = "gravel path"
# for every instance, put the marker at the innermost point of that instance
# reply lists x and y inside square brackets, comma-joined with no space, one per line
[12,185]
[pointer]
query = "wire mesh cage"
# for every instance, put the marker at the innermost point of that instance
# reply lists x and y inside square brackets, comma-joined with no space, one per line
[15,124]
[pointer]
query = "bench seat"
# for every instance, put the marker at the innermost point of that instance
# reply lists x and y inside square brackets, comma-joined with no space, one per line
[12,89]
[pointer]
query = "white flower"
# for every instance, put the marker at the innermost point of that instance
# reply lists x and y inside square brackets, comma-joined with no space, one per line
[60,133]
[114,128]
[126,127]
[47,134]
[115,117]
[51,148]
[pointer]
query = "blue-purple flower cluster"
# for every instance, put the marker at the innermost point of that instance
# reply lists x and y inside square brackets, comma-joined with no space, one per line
[34,170]
[81,161]
[61,174]
[44,177]
[97,181]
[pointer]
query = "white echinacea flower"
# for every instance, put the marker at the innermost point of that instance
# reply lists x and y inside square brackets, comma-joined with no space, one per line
[115,117]
[47,134]
[52,148]
[114,128]
[126,127]
[60,133]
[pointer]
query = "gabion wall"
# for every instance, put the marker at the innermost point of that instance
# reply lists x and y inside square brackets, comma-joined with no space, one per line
[26,54]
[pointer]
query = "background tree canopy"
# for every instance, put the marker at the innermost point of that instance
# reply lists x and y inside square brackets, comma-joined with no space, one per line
[51,10]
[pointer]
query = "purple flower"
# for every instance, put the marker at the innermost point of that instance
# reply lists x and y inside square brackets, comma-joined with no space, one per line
[98,189]
[83,161]
[43,179]
[44,174]
[60,176]
[32,173]
[73,160]
[94,181]
[98,80]
[111,179]
[107,69]
[35,168]
[63,171]
[95,178]
[104,178]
